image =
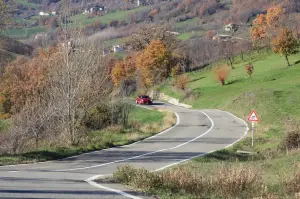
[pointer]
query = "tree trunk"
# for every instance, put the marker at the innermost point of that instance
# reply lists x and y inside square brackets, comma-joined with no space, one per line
[230,59]
[287,60]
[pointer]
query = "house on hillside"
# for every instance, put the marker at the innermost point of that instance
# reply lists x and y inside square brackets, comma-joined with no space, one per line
[117,48]
[219,37]
[231,27]
[94,9]
[42,13]
[41,35]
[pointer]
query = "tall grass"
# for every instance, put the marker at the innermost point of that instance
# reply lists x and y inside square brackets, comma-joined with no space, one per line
[237,181]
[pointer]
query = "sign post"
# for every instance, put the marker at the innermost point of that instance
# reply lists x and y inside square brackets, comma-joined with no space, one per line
[253,118]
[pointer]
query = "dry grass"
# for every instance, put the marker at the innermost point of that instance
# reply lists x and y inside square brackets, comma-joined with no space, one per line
[227,182]
[292,186]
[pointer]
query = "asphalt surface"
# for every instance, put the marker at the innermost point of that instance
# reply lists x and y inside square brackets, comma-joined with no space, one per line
[196,133]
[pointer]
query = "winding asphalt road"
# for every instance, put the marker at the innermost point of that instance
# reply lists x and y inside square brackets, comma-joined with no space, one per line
[196,133]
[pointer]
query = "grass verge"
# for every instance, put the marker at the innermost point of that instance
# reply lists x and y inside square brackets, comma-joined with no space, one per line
[143,123]
[273,93]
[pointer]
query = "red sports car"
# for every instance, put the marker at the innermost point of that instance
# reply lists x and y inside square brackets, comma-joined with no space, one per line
[143,99]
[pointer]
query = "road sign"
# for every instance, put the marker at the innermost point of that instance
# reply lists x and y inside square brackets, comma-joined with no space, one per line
[253,117]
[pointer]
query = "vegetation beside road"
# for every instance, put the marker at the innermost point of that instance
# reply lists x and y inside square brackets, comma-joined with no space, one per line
[143,123]
[271,172]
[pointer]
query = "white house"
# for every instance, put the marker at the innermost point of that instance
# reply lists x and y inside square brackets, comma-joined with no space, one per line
[53,13]
[40,35]
[117,48]
[43,14]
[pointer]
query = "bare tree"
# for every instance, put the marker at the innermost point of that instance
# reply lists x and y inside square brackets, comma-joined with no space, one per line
[4,14]
[227,51]
[150,32]
[78,81]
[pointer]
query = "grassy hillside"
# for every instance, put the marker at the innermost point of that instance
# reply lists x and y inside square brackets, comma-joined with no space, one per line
[272,92]
[271,173]
[25,33]
[105,19]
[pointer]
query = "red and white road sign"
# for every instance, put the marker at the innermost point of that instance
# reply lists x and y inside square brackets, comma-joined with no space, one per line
[253,117]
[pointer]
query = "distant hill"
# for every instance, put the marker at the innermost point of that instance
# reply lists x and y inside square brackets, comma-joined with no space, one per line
[10,48]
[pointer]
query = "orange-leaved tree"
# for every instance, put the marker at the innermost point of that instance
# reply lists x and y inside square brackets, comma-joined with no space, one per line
[249,69]
[258,30]
[285,44]
[273,15]
[181,81]
[154,63]
[118,73]
[265,25]
[222,73]
[24,79]
[123,69]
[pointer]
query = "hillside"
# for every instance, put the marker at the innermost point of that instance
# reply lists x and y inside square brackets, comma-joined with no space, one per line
[192,19]
[272,171]
[10,48]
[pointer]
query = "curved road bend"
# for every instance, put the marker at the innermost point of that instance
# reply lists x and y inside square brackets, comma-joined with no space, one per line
[196,133]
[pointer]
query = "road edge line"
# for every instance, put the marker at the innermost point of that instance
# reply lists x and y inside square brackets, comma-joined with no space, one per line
[50,161]
[93,183]
[149,153]
[244,135]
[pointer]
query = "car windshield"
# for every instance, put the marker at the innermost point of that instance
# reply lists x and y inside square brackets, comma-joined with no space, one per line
[144,96]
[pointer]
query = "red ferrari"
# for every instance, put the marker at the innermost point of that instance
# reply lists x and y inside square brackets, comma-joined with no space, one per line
[143,99]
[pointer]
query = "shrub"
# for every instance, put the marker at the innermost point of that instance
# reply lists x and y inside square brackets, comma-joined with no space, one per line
[125,174]
[234,181]
[293,185]
[175,71]
[181,81]
[222,73]
[249,69]
[291,140]
[227,182]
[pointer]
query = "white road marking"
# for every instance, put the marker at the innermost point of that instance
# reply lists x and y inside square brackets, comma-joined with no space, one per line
[50,161]
[13,171]
[91,180]
[153,152]
[176,163]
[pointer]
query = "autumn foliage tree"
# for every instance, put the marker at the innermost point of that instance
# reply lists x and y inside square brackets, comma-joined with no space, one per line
[181,81]
[123,70]
[154,63]
[222,73]
[265,25]
[147,33]
[285,44]
[249,69]
[258,30]
[24,79]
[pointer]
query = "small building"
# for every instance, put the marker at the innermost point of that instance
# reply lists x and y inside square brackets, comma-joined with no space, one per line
[219,37]
[117,48]
[94,9]
[43,13]
[41,35]
[231,27]
[173,33]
